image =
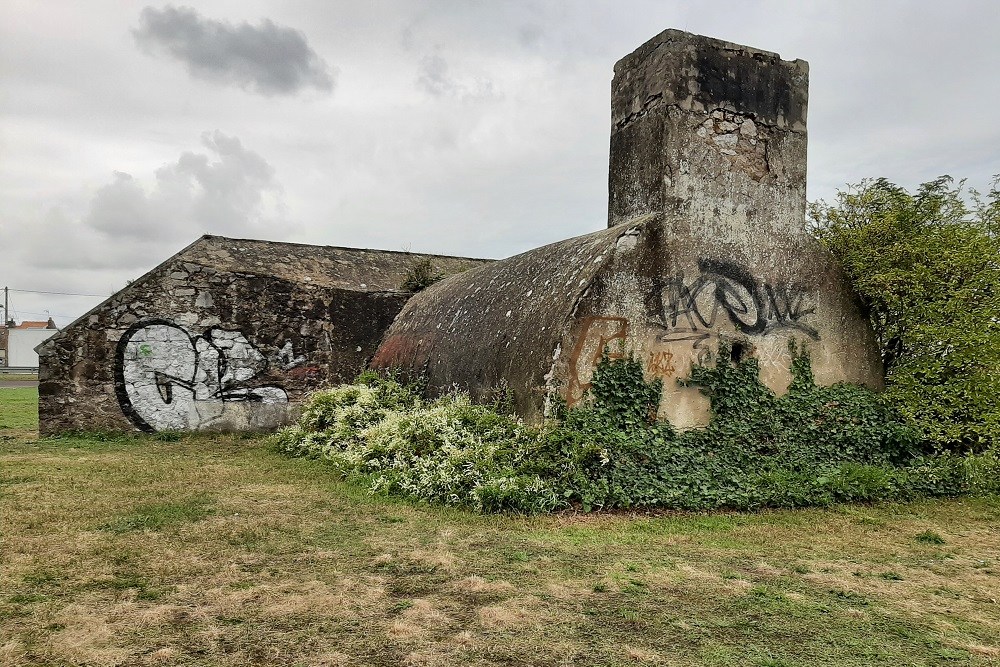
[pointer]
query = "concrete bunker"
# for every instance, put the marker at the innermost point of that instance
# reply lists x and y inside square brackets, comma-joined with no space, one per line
[228,334]
[706,242]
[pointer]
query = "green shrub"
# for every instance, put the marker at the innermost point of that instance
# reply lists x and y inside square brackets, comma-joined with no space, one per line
[421,275]
[449,451]
[812,446]
[926,267]
[982,472]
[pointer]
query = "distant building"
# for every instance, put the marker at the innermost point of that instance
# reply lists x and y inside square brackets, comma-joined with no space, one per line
[18,342]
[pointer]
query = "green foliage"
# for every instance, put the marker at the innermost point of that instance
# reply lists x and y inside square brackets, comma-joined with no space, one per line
[812,446]
[926,266]
[421,275]
[621,394]
[158,516]
[448,451]
[929,537]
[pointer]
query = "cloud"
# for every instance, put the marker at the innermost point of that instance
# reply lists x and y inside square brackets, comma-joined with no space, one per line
[230,191]
[268,59]
[434,78]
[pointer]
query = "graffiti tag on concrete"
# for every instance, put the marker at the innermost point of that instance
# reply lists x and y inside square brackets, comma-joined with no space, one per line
[167,379]
[594,338]
[691,309]
[661,363]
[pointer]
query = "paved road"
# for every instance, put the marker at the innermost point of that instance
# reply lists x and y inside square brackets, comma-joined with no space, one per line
[15,384]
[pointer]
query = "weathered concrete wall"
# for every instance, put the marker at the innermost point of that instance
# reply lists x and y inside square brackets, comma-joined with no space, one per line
[500,324]
[541,320]
[227,335]
[706,242]
[711,134]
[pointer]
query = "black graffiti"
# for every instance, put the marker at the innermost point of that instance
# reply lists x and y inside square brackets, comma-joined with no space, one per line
[167,378]
[691,310]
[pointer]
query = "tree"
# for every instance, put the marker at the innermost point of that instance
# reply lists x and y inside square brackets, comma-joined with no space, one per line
[927,267]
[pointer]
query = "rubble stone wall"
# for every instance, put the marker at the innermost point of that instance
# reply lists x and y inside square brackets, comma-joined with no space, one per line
[194,348]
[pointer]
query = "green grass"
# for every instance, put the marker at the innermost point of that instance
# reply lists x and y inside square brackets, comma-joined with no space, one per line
[157,516]
[18,409]
[217,551]
[929,537]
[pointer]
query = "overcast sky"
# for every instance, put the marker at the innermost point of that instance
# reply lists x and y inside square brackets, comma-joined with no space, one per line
[481,128]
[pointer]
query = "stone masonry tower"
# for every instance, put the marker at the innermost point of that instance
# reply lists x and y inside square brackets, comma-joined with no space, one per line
[709,133]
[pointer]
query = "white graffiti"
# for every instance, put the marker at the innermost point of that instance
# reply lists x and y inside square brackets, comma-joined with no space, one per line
[287,359]
[168,379]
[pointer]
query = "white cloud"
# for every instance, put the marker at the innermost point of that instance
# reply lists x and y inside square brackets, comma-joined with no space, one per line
[434,76]
[132,224]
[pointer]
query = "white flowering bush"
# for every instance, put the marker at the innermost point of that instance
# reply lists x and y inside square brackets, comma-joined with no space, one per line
[447,451]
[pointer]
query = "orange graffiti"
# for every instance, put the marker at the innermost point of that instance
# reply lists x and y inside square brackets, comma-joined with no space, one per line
[401,350]
[596,334]
[661,363]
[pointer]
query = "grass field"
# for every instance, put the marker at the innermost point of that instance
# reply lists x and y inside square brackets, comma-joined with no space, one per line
[217,551]
[18,412]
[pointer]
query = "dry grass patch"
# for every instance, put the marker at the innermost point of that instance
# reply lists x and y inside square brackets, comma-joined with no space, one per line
[215,551]
[435,559]
[421,618]
[161,656]
[637,654]
[480,586]
[80,636]
[986,651]
[568,591]
[425,659]
[513,613]
[330,659]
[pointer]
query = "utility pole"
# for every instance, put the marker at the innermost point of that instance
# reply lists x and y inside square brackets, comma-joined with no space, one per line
[5,334]
[6,309]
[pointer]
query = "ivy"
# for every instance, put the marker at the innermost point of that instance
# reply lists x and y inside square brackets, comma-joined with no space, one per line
[621,394]
[812,446]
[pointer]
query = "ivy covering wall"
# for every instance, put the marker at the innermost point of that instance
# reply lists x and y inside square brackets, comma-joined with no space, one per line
[812,446]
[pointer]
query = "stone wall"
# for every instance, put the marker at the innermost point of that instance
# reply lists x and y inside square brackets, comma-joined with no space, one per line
[197,344]
[711,134]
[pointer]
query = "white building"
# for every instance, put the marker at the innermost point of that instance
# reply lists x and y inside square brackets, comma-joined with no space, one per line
[17,344]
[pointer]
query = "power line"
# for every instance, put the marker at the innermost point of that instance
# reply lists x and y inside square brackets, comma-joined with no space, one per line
[35,291]
[47,314]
